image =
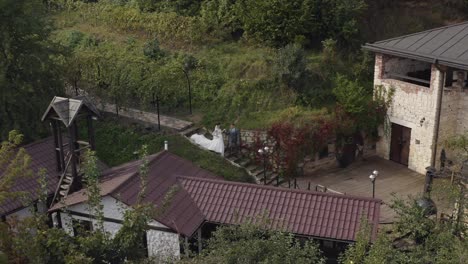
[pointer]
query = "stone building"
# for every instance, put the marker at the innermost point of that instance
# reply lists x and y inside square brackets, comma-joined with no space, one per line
[428,72]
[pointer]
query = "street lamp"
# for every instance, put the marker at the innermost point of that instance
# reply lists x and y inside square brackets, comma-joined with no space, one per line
[264,153]
[189,64]
[372,177]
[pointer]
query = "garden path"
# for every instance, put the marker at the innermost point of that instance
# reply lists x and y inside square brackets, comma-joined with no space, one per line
[148,117]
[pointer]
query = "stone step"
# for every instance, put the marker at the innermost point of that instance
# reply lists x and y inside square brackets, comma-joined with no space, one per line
[190,131]
[67,179]
[64,186]
[251,167]
[244,163]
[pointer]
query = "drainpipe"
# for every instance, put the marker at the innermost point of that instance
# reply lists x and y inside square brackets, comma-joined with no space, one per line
[440,93]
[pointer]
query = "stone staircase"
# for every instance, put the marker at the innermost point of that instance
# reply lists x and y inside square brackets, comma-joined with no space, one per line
[244,161]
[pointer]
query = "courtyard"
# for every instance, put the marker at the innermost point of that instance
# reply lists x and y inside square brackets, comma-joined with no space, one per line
[393,179]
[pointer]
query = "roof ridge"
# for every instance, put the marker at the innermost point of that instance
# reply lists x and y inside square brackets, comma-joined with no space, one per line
[420,32]
[269,187]
[151,160]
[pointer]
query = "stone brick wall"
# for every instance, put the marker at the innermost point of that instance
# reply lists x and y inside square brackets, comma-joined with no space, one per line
[249,136]
[411,104]
[448,119]
[462,120]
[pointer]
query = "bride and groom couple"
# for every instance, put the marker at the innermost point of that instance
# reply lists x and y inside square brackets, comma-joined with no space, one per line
[217,143]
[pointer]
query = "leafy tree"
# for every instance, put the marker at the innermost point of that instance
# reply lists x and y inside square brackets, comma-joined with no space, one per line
[417,239]
[282,24]
[291,66]
[29,76]
[251,242]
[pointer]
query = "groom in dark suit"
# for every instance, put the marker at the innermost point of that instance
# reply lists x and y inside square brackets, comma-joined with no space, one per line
[233,140]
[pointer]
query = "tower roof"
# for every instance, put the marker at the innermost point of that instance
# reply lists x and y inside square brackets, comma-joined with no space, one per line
[67,109]
[446,45]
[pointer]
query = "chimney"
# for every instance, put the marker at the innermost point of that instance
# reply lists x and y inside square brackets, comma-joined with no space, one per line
[166,145]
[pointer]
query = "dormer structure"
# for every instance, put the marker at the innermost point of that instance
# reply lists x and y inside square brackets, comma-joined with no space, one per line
[429,72]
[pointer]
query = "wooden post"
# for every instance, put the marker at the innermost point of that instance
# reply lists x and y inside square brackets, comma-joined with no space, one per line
[308,187]
[199,234]
[289,183]
[186,247]
[56,145]
[60,143]
[71,144]
[295,183]
[91,138]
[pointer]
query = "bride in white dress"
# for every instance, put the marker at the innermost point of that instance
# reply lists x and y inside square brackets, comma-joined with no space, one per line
[216,144]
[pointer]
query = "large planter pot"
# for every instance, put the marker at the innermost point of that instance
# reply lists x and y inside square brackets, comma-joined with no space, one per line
[347,155]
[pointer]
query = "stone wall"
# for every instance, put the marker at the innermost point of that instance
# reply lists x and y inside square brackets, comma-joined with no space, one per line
[448,120]
[414,107]
[462,120]
[249,136]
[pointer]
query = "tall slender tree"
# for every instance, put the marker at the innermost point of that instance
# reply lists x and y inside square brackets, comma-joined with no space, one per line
[28,74]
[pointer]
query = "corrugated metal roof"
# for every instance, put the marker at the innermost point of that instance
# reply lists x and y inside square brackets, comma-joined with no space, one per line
[307,213]
[448,45]
[42,156]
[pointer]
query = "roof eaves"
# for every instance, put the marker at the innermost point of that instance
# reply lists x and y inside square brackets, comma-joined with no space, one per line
[416,56]
[420,32]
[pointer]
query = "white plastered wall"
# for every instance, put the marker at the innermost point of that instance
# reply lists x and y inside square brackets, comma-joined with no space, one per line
[161,244]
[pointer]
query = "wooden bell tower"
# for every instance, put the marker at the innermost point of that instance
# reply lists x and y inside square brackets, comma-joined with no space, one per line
[64,114]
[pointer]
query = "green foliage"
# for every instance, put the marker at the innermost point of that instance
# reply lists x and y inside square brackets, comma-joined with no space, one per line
[282,24]
[356,253]
[29,76]
[116,144]
[152,50]
[91,177]
[252,242]
[415,239]
[351,95]
[291,66]
[14,163]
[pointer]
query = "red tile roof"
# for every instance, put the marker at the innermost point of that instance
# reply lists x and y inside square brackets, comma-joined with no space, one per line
[123,183]
[202,196]
[315,214]
[42,156]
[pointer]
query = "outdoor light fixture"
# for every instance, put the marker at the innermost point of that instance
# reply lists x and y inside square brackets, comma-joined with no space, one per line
[372,177]
[264,152]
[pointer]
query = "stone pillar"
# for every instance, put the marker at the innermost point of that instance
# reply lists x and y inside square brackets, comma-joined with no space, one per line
[437,87]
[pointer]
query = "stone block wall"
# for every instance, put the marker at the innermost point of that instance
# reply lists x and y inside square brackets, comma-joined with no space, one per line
[448,120]
[414,107]
[462,119]
[249,136]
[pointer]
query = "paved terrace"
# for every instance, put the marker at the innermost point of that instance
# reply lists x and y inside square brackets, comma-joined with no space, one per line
[354,180]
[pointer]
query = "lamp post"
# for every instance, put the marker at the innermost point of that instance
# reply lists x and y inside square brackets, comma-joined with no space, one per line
[186,69]
[155,103]
[264,153]
[372,177]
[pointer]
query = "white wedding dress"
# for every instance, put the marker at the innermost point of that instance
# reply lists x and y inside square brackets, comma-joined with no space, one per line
[216,144]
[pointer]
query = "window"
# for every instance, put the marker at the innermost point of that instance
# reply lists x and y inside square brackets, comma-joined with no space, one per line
[81,227]
[407,70]
[456,78]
